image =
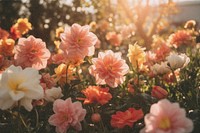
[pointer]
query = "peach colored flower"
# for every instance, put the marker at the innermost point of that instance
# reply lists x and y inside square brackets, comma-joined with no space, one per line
[161,52]
[150,58]
[67,114]
[31,52]
[77,42]
[60,73]
[136,55]
[23,25]
[58,58]
[47,82]
[109,68]
[3,34]
[159,92]
[127,118]
[14,33]
[96,94]
[167,117]
[7,47]
[114,38]
[181,37]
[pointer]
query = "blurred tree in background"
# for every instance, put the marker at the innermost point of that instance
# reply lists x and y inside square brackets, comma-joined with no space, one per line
[44,15]
[47,15]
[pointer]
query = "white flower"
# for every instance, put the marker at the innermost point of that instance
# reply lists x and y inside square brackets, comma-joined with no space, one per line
[20,87]
[53,94]
[162,68]
[178,61]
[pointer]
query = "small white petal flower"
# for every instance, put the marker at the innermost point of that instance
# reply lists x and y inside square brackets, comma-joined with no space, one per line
[162,68]
[19,86]
[53,94]
[178,61]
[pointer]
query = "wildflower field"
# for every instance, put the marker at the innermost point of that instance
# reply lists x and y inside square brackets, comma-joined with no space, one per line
[93,66]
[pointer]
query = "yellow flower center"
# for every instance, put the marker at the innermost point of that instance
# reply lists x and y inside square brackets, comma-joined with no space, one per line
[14,86]
[165,123]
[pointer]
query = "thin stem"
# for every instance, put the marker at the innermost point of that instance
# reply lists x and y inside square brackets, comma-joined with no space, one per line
[37,118]
[67,72]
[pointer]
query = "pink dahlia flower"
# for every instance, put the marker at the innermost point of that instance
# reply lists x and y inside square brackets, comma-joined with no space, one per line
[166,117]
[109,68]
[181,37]
[78,42]
[31,52]
[67,114]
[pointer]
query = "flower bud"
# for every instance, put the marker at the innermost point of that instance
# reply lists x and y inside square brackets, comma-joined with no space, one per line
[96,117]
[159,92]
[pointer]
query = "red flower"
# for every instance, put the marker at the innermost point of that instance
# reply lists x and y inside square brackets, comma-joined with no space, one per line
[96,94]
[129,117]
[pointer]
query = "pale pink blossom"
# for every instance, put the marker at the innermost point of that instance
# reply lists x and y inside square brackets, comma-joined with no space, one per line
[31,52]
[127,31]
[167,117]
[160,69]
[67,114]
[77,42]
[109,68]
[53,94]
[114,38]
[47,81]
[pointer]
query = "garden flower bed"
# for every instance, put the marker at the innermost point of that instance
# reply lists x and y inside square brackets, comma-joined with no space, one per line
[100,77]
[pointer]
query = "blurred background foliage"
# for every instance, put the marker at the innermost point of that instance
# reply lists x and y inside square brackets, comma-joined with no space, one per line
[47,15]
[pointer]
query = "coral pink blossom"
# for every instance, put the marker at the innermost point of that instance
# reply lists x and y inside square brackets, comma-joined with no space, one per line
[109,68]
[114,38]
[31,52]
[166,117]
[77,42]
[3,34]
[181,37]
[96,94]
[129,117]
[161,52]
[67,114]
[159,92]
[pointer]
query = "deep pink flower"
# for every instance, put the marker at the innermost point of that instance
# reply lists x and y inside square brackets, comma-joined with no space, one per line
[31,52]
[67,114]
[109,68]
[166,117]
[78,42]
